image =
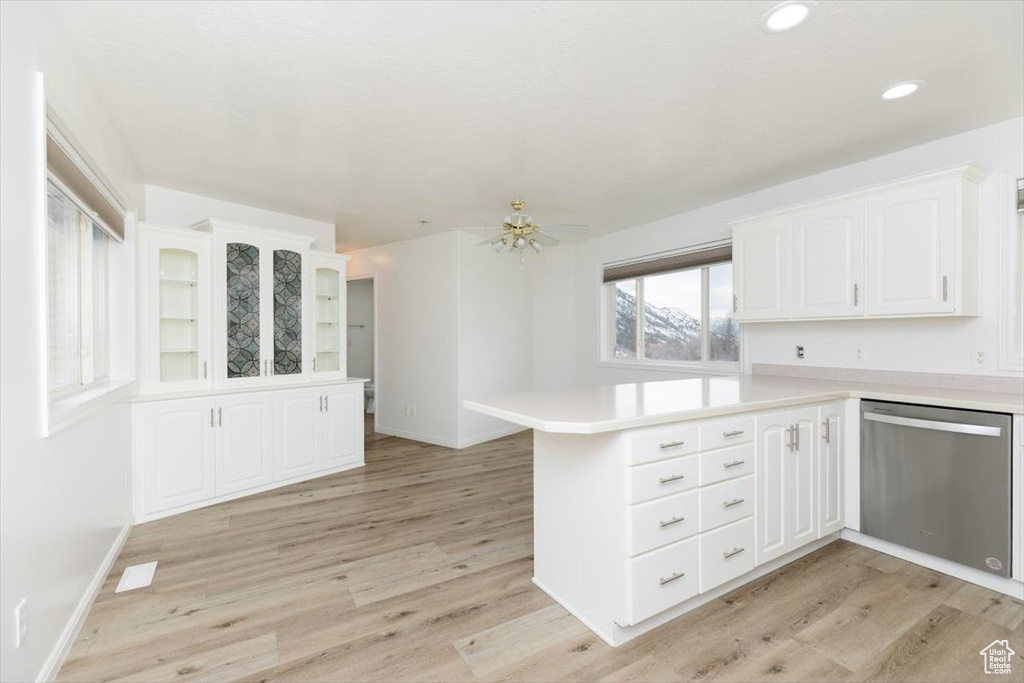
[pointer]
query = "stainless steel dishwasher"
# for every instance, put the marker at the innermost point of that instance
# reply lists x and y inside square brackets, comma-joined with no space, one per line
[937,480]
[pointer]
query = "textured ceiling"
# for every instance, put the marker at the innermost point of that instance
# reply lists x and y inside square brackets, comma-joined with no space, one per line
[376,115]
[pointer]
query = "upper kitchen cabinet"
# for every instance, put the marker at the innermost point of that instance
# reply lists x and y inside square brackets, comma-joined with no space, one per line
[329,305]
[174,304]
[906,248]
[761,286]
[262,283]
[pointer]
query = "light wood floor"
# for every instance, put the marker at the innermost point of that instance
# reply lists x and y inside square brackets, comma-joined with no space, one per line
[418,567]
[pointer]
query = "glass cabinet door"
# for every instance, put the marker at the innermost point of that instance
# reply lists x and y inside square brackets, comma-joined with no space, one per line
[329,320]
[287,312]
[243,310]
[179,316]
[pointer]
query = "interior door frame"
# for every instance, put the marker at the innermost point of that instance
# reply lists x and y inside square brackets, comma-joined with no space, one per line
[372,277]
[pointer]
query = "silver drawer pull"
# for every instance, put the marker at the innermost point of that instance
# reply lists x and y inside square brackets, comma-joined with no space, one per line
[735,551]
[669,579]
[670,479]
[734,501]
[735,432]
[734,463]
[670,522]
[671,444]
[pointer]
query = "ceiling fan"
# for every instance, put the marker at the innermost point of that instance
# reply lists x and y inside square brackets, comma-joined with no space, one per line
[518,232]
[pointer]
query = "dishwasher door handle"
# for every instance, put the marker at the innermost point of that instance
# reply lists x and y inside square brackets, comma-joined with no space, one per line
[956,427]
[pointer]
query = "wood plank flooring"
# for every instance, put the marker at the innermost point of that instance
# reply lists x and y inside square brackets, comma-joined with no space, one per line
[417,568]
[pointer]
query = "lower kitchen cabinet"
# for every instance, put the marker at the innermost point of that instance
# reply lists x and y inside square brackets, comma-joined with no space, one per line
[830,468]
[199,451]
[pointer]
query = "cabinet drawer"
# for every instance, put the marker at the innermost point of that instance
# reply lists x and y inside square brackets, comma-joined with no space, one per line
[727,463]
[726,553]
[660,522]
[662,478]
[727,502]
[661,580]
[663,443]
[726,433]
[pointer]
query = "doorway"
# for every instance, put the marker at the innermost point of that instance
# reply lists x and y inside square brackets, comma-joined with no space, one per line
[361,349]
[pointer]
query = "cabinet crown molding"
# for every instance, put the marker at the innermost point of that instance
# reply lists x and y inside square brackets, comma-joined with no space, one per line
[211,225]
[965,171]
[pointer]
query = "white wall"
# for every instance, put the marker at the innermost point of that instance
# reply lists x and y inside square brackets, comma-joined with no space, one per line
[939,345]
[360,339]
[416,283]
[554,319]
[495,351]
[165,206]
[63,499]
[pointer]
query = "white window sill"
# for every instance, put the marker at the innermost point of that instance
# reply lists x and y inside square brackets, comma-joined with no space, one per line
[687,368]
[68,410]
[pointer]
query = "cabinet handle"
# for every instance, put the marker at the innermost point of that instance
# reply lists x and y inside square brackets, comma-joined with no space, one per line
[671,444]
[734,463]
[327,404]
[730,553]
[211,417]
[734,502]
[735,303]
[670,522]
[945,288]
[264,367]
[826,427]
[856,294]
[204,369]
[321,404]
[790,440]
[671,478]
[736,432]
[220,417]
[314,363]
[668,579]
[796,437]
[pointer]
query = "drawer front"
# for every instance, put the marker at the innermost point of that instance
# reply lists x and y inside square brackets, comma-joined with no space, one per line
[726,433]
[658,479]
[661,580]
[660,522]
[726,553]
[727,502]
[726,463]
[662,444]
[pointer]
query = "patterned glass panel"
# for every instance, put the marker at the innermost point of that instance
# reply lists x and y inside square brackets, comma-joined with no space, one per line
[243,283]
[287,312]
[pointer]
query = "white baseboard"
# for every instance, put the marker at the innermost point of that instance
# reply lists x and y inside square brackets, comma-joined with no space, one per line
[450,443]
[74,626]
[507,431]
[999,584]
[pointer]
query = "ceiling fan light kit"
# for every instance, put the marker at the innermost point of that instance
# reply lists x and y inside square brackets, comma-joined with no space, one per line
[519,233]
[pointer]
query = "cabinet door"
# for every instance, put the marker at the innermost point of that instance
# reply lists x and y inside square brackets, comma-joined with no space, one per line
[830,469]
[244,442]
[801,483]
[297,433]
[828,262]
[910,251]
[761,271]
[242,342]
[287,339]
[343,426]
[329,316]
[772,512]
[177,443]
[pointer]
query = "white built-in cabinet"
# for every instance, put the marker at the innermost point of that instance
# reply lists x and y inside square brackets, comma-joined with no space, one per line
[242,365]
[907,248]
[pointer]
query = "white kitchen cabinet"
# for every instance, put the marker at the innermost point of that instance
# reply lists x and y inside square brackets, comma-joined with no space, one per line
[761,282]
[297,433]
[910,250]
[830,468]
[342,421]
[174,309]
[327,312]
[176,441]
[828,262]
[787,515]
[244,441]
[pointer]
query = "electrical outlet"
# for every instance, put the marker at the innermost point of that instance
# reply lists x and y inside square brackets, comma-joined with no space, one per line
[858,355]
[979,359]
[20,623]
[800,352]
[414,411]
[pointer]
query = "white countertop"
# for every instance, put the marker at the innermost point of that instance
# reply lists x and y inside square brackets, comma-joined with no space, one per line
[624,406]
[199,393]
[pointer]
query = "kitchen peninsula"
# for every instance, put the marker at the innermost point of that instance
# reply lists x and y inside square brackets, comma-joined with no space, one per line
[651,499]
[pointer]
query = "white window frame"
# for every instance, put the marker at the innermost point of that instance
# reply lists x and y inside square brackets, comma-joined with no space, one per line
[1011,271]
[608,358]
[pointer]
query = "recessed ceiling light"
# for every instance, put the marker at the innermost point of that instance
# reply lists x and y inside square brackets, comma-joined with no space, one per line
[898,90]
[786,15]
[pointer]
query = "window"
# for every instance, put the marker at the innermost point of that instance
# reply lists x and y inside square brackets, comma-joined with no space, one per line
[77,295]
[681,316]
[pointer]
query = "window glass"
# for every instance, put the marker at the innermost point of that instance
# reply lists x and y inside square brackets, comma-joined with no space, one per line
[672,316]
[63,303]
[100,275]
[625,319]
[723,331]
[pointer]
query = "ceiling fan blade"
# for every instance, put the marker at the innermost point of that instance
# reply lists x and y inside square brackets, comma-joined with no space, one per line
[546,240]
[567,229]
